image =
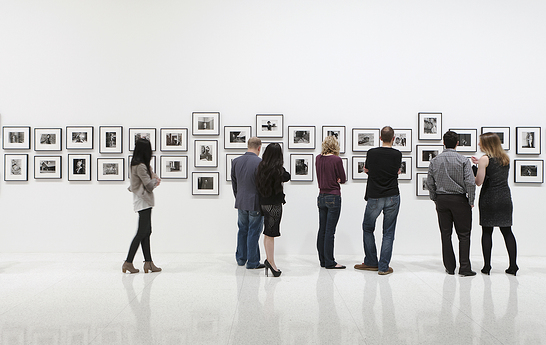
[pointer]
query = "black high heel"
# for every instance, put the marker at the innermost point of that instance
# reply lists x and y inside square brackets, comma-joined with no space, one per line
[268,266]
[512,270]
[486,270]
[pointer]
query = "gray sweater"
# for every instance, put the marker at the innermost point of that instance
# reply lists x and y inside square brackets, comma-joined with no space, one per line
[142,184]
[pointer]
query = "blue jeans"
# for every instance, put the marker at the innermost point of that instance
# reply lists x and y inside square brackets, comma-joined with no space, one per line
[329,206]
[389,206]
[250,227]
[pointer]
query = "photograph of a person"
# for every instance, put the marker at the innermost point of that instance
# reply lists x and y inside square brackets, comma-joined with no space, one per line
[173,166]
[400,140]
[428,155]
[361,166]
[111,139]
[48,139]
[425,154]
[16,167]
[16,137]
[79,137]
[302,166]
[403,167]
[528,140]
[529,170]
[205,154]
[430,125]
[142,135]
[269,125]
[79,166]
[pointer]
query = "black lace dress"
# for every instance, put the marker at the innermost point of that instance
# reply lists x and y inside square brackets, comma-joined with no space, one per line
[495,201]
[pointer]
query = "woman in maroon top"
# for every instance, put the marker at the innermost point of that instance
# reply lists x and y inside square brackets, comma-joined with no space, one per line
[330,174]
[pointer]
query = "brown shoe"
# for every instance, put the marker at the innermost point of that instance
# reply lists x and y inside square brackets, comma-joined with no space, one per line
[389,271]
[149,266]
[128,266]
[365,267]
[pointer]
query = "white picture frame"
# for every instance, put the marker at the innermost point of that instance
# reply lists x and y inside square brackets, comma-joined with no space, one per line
[110,169]
[528,171]
[430,126]
[301,137]
[205,153]
[142,133]
[79,167]
[359,163]
[205,183]
[339,132]
[173,139]
[365,139]
[79,137]
[425,153]
[502,132]
[406,169]
[173,167]
[48,167]
[206,123]
[269,125]
[16,138]
[15,167]
[403,139]
[48,139]
[528,140]
[111,139]
[236,137]
[301,167]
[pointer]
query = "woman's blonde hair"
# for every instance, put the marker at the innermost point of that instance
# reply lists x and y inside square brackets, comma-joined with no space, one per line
[330,145]
[491,145]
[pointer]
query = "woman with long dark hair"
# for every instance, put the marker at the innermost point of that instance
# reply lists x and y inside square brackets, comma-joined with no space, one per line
[143,182]
[269,183]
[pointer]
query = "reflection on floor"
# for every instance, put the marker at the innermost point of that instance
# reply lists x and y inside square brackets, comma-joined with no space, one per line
[207,299]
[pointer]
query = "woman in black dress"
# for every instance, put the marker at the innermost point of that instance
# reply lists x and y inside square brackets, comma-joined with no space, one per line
[269,179]
[495,203]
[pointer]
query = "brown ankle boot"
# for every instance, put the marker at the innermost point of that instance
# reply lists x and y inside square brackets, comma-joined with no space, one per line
[128,266]
[149,266]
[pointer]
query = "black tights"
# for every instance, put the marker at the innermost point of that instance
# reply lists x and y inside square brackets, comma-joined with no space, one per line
[487,244]
[142,236]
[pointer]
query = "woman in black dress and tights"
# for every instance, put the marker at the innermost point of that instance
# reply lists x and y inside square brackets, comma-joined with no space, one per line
[495,203]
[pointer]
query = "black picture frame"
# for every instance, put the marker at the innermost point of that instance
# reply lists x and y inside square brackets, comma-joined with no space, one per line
[205,154]
[16,138]
[205,123]
[173,139]
[48,167]
[15,167]
[339,132]
[79,167]
[468,139]
[110,169]
[236,137]
[48,139]
[502,132]
[528,171]
[269,125]
[421,184]
[110,139]
[425,153]
[430,125]
[205,183]
[302,167]
[365,139]
[79,137]
[301,137]
[528,140]
[406,168]
[403,139]
[173,167]
[142,133]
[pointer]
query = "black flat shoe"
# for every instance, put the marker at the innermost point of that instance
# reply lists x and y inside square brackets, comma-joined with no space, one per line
[450,272]
[467,273]
[486,270]
[257,267]
[336,267]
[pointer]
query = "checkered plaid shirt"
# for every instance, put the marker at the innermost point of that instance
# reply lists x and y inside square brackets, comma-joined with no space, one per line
[451,173]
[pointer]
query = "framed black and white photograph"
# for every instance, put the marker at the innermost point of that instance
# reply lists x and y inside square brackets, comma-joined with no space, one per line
[365,139]
[229,158]
[336,131]
[205,123]
[502,132]
[422,189]
[48,139]
[205,154]
[79,138]
[174,139]
[529,171]
[205,183]
[79,167]
[359,162]
[405,169]
[16,138]
[141,133]
[301,137]
[110,169]
[173,167]
[130,158]
[269,125]
[430,126]
[403,140]
[528,140]
[47,167]
[236,137]
[301,167]
[15,167]
[110,139]
[425,153]
[468,139]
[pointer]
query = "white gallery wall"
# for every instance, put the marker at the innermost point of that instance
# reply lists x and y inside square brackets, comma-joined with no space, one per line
[351,63]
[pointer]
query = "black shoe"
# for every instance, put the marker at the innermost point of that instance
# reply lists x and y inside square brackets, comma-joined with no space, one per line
[467,273]
[257,267]
[512,270]
[268,266]
[486,270]
[336,267]
[450,272]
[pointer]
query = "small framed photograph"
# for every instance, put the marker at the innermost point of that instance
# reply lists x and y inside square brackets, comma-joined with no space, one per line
[301,137]
[266,143]
[422,189]
[529,171]
[502,132]
[15,167]
[359,162]
[269,125]
[425,153]
[301,167]
[468,139]
[130,158]
[336,131]
[403,139]
[205,183]
[110,169]
[236,137]
[528,140]
[173,167]
[79,138]
[48,139]
[205,123]
[229,158]
[174,139]
[365,139]
[405,169]
[110,139]
[47,167]
[430,126]
[16,138]
[79,167]
[141,133]
[206,154]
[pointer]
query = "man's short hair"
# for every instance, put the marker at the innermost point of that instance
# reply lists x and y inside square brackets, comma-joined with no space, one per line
[450,139]
[254,143]
[387,133]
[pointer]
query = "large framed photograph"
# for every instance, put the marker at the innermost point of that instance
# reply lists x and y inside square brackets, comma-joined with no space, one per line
[110,169]
[365,139]
[236,137]
[110,139]
[405,169]
[528,140]
[205,183]
[430,126]
[47,167]
[422,189]
[301,167]
[529,171]
[206,154]
[15,167]
[174,139]
[425,153]
[79,167]
[48,139]
[130,158]
[301,137]
[173,167]
[141,133]
[336,131]
[403,140]
[205,123]
[79,138]
[16,138]
[229,159]
[269,125]
[359,162]
[468,139]
[503,134]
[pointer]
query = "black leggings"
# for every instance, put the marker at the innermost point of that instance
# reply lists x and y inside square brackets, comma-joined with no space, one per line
[142,236]
[487,244]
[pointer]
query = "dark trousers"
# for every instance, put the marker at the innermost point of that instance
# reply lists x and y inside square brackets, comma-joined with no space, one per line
[329,206]
[142,236]
[455,210]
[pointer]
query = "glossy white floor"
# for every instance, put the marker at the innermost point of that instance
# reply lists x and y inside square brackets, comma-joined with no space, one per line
[204,299]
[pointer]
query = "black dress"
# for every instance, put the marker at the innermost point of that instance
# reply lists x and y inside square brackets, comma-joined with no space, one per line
[272,209]
[495,202]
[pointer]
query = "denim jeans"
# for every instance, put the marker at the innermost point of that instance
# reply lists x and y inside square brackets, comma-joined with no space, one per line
[250,227]
[329,206]
[389,206]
